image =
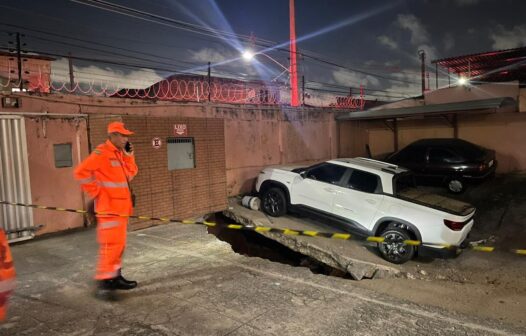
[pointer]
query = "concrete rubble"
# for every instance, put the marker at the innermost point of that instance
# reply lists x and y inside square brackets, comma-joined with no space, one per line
[358,260]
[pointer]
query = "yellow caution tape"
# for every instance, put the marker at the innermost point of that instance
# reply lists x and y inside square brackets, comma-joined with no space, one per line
[309,233]
[483,248]
[412,242]
[290,232]
[235,226]
[341,236]
[375,239]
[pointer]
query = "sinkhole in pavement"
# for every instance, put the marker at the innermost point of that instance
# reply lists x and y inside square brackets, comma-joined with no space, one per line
[253,244]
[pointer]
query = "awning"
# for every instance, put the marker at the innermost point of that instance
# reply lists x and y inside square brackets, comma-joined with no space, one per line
[493,105]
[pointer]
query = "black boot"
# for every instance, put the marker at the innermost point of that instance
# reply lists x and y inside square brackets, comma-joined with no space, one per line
[121,283]
[106,290]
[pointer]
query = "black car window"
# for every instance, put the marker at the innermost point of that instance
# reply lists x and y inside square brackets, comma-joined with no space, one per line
[327,172]
[441,155]
[410,154]
[364,181]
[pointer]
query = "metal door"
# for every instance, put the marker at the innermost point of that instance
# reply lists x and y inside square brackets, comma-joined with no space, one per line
[14,179]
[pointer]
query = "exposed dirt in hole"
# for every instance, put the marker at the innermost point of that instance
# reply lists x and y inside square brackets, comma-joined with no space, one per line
[253,244]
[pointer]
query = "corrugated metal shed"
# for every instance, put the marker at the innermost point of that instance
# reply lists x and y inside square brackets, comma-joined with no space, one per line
[497,66]
[14,178]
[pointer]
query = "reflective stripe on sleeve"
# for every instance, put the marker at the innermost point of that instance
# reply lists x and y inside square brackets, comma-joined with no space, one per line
[108,225]
[114,184]
[87,180]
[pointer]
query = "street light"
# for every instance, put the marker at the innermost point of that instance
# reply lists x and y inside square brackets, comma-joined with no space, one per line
[248,55]
[462,81]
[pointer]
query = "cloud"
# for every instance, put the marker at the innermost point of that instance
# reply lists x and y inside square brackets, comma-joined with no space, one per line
[400,89]
[449,42]
[411,23]
[210,55]
[387,41]
[108,77]
[348,78]
[504,38]
[466,2]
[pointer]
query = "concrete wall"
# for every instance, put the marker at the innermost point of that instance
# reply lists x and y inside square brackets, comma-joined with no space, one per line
[466,93]
[503,132]
[241,139]
[50,185]
[256,138]
[177,194]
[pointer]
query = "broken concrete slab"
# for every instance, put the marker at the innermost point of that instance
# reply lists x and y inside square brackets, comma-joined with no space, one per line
[358,260]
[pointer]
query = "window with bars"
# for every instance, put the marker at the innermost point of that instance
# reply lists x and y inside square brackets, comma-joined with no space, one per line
[181,153]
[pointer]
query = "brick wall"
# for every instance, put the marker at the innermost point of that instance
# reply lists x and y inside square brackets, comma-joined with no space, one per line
[179,193]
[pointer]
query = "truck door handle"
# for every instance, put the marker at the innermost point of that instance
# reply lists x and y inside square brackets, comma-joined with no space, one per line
[370,201]
[329,189]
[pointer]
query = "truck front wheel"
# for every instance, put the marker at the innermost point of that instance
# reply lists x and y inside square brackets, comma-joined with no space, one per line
[393,249]
[274,202]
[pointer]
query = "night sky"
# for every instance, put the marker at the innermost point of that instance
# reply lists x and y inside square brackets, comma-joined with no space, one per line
[378,39]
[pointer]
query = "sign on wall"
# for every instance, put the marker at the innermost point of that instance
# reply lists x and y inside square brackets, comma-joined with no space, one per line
[156,143]
[180,130]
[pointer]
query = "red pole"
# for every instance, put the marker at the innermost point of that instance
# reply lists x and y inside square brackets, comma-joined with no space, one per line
[294,96]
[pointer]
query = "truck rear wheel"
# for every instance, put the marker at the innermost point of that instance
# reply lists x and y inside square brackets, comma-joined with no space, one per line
[393,248]
[274,202]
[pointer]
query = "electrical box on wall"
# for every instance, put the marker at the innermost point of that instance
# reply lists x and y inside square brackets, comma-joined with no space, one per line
[181,153]
[63,155]
[11,102]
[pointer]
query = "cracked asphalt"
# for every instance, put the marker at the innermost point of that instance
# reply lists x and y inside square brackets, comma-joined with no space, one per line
[190,283]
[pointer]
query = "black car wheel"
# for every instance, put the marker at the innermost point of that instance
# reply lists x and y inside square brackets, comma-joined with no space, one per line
[274,202]
[393,249]
[455,185]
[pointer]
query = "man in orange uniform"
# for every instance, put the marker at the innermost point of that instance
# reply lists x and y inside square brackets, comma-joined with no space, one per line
[105,176]
[7,274]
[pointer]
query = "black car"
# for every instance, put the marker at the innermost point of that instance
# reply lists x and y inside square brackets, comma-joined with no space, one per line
[449,162]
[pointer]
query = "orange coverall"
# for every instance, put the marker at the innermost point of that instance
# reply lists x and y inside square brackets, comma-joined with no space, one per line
[104,176]
[7,274]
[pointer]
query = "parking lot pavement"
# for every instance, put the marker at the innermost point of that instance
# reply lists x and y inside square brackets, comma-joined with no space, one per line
[190,283]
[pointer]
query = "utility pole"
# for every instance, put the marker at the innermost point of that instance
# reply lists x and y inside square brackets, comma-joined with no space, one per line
[436,76]
[19,60]
[71,77]
[303,90]
[423,69]
[209,82]
[294,99]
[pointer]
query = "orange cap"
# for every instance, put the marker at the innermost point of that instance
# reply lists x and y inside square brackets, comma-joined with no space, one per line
[118,127]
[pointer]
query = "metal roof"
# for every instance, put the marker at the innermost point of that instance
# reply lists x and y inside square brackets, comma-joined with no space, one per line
[499,65]
[492,105]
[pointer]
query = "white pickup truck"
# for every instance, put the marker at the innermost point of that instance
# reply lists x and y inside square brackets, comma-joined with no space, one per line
[370,198]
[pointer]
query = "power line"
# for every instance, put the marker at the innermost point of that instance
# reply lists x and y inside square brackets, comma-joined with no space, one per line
[88,41]
[346,93]
[128,11]
[356,88]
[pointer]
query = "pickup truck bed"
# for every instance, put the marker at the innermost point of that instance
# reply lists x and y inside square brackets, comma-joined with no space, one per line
[426,198]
